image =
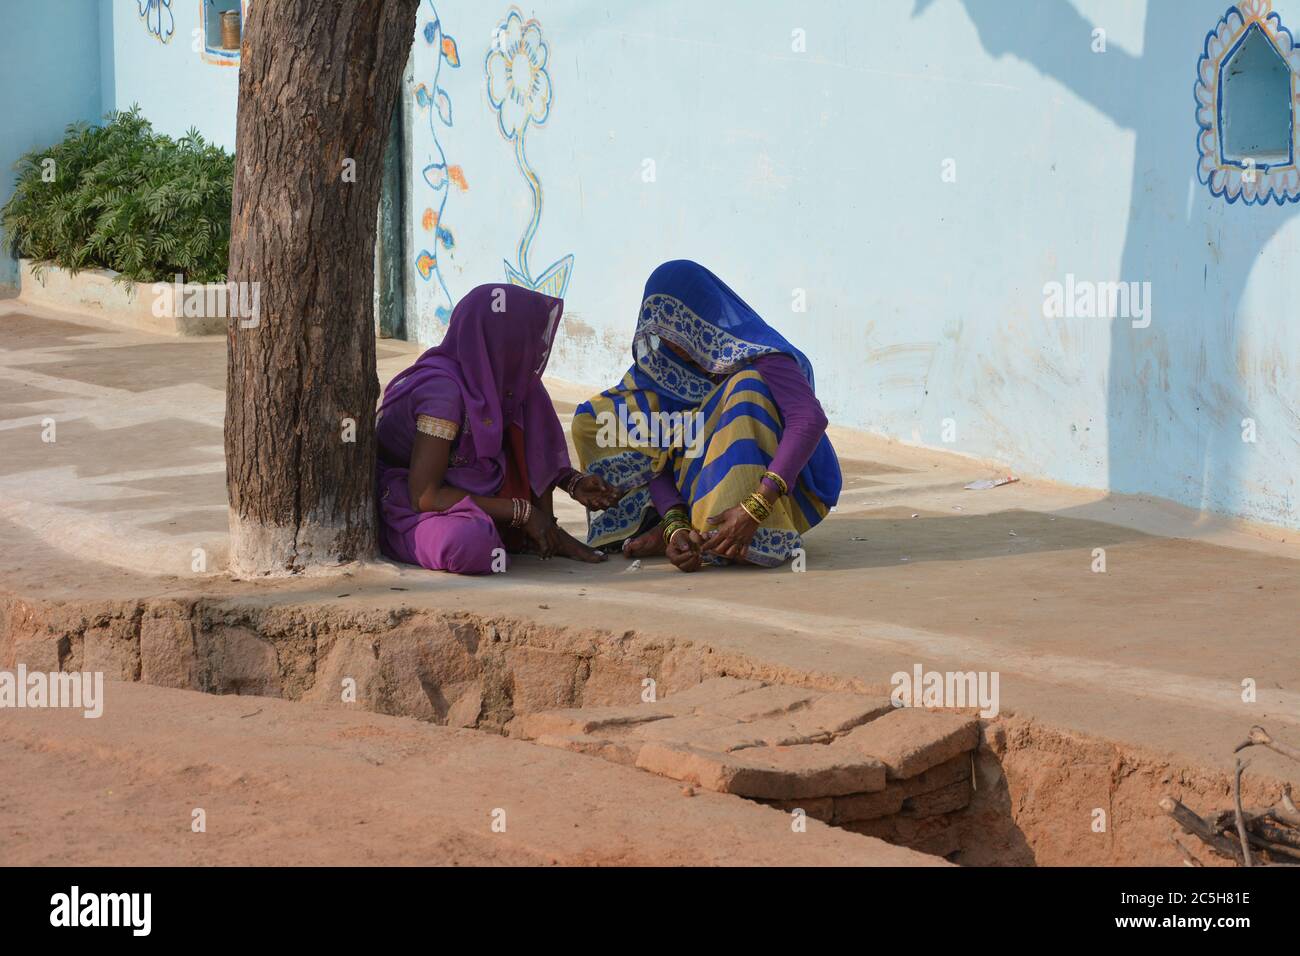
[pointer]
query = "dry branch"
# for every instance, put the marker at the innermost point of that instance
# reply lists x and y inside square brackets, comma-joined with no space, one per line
[1259,737]
[1240,816]
[1193,824]
[1274,831]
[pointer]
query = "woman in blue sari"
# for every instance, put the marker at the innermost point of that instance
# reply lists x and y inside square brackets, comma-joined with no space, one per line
[714,435]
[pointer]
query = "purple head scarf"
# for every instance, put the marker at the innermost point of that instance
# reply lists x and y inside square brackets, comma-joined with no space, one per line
[496,349]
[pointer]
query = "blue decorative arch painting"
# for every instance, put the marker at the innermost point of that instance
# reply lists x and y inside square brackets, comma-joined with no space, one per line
[519,91]
[1247,96]
[158,18]
[437,174]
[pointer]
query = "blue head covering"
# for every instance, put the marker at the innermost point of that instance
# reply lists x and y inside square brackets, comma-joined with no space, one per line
[687,305]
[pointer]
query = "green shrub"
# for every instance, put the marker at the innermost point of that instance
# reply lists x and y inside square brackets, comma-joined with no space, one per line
[124,198]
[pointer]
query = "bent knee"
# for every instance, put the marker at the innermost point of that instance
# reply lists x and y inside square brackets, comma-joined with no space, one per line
[475,550]
[465,546]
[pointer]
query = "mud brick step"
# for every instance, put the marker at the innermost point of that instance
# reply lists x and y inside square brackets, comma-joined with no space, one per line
[622,751]
[817,721]
[776,715]
[947,799]
[584,720]
[840,711]
[910,741]
[936,778]
[682,730]
[774,773]
[769,701]
[857,807]
[725,734]
[732,736]
[705,693]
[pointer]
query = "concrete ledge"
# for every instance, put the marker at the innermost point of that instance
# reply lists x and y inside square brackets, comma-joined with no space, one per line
[93,291]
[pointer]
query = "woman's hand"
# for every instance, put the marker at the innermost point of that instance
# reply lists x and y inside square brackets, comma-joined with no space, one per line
[684,549]
[542,532]
[596,493]
[732,532]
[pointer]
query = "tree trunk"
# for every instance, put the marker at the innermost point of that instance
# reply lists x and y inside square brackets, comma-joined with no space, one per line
[317,86]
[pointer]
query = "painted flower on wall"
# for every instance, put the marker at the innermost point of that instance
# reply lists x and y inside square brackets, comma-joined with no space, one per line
[519,91]
[1251,32]
[158,18]
[518,85]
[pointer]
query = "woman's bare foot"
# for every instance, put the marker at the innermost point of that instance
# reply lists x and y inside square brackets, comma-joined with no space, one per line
[567,546]
[650,544]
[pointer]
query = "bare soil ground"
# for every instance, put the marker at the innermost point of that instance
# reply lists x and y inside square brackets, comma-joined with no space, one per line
[289,784]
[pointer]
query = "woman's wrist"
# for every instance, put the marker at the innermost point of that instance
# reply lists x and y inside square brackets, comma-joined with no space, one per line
[772,486]
[572,480]
[521,512]
[675,519]
[757,507]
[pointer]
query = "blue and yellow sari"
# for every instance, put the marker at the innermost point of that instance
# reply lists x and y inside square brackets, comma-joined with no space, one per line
[740,425]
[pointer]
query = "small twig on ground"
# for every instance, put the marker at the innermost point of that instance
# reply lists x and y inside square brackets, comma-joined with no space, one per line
[1188,859]
[1241,817]
[253,714]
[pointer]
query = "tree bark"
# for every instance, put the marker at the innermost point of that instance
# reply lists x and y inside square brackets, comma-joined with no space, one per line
[317,87]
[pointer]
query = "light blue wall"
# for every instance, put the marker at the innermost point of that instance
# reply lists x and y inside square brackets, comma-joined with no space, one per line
[822,171]
[49,78]
[174,84]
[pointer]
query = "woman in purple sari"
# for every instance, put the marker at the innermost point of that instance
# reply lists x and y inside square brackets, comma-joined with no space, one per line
[470,448]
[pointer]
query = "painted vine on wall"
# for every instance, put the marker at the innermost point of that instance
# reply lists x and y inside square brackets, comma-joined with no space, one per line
[438,175]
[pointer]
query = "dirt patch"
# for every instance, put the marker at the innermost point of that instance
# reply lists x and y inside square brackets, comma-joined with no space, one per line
[1041,795]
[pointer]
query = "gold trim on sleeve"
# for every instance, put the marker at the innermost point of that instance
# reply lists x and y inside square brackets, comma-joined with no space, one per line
[437,427]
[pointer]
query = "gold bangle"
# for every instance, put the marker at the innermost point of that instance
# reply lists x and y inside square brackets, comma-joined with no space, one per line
[756,508]
[673,525]
[777,480]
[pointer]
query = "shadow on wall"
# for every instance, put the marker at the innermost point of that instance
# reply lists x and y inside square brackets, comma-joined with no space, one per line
[1175,399]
